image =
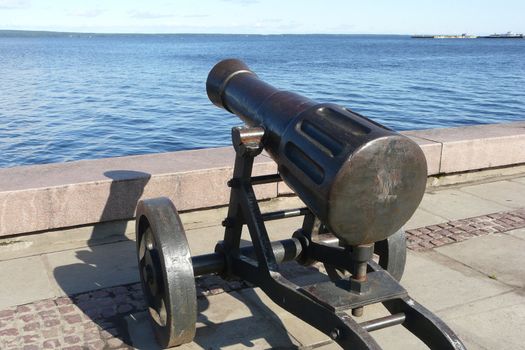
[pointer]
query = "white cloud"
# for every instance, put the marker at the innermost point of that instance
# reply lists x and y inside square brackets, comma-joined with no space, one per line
[149,15]
[87,12]
[14,4]
[243,2]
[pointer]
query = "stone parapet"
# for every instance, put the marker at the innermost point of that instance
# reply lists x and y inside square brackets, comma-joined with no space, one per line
[472,147]
[52,196]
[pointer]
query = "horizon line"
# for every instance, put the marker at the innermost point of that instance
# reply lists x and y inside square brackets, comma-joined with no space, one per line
[184,33]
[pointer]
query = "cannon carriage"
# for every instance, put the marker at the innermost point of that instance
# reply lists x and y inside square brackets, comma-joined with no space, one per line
[360,182]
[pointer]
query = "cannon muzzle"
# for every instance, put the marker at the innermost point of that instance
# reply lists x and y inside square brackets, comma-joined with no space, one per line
[361,179]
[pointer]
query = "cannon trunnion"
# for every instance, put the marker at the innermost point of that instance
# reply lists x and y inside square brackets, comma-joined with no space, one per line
[360,182]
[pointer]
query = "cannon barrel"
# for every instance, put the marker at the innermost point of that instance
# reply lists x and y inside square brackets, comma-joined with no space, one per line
[361,179]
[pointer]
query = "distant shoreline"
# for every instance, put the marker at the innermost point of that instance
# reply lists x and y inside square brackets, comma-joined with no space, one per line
[507,35]
[31,33]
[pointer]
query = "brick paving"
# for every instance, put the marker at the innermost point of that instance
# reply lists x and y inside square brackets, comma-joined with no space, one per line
[433,236]
[86,321]
[94,320]
[97,319]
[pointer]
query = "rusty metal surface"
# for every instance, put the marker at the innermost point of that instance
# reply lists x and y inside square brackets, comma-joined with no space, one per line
[166,272]
[361,179]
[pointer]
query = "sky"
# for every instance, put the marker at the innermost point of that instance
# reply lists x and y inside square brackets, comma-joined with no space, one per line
[266,16]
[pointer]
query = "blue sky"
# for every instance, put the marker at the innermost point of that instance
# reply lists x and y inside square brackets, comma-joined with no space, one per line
[266,16]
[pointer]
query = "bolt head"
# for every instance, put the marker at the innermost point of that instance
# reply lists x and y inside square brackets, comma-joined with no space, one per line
[335,333]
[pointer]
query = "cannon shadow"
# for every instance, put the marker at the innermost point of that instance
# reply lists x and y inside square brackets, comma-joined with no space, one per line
[102,283]
[95,279]
[242,327]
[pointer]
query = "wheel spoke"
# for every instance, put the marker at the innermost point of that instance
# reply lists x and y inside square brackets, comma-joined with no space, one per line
[142,246]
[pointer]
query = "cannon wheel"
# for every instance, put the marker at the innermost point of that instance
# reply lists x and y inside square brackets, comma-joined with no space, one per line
[166,272]
[392,253]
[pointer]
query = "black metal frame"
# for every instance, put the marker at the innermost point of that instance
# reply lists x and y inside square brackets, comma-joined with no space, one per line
[322,305]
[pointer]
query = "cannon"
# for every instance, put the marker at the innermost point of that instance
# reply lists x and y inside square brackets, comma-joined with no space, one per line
[360,182]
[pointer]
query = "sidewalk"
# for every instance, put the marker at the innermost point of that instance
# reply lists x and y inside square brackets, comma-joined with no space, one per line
[464,264]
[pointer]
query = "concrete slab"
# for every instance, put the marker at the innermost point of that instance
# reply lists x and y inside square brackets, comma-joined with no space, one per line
[454,204]
[67,239]
[221,317]
[472,177]
[305,334]
[398,337]
[392,338]
[76,271]
[507,193]
[498,256]
[492,323]
[521,180]
[520,233]
[439,282]
[283,189]
[23,280]
[423,218]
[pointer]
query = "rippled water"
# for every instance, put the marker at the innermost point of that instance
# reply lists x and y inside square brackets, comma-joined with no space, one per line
[68,98]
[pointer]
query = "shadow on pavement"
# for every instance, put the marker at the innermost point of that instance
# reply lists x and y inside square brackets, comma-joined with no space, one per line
[103,285]
[104,265]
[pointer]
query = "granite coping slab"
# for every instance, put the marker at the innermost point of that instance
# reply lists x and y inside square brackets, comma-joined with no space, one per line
[44,197]
[477,147]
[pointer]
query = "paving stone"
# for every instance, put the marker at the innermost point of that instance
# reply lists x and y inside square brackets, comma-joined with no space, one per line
[423,218]
[454,204]
[9,332]
[26,317]
[23,309]
[301,331]
[499,256]
[94,267]
[28,281]
[438,282]
[491,323]
[51,344]
[51,323]
[50,332]
[220,319]
[72,319]
[223,315]
[63,301]
[67,309]
[33,326]
[72,339]
[520,233]
[30,338]
[96,345]
[114,343]
[507,193]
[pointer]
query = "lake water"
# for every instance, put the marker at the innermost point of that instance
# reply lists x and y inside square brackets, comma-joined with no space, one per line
[66,98]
